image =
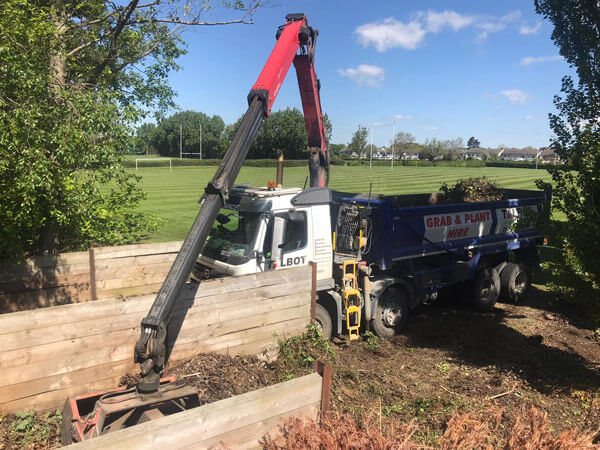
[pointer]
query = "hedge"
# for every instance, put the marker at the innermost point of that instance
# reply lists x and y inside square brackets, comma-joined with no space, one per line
[339,161]
[415,163]
[176,162]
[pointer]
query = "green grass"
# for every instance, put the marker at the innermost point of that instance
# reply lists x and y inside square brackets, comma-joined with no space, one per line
[173,196]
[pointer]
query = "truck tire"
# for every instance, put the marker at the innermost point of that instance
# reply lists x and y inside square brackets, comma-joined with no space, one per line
[485,289]
[514,282]
[323,322]
[391,313]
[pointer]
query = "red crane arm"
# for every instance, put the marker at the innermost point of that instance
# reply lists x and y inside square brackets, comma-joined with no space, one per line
[293,37]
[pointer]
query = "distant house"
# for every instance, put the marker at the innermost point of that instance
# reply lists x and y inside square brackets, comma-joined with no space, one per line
[481,153]
[520,154]
[412,155]
[547,155]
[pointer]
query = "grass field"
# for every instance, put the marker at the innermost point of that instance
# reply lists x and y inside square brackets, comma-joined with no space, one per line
[173,196]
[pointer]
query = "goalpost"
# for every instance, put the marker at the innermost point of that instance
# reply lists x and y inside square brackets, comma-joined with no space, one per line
[154,159]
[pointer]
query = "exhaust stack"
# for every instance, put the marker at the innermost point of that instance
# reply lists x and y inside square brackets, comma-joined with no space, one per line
[279,176]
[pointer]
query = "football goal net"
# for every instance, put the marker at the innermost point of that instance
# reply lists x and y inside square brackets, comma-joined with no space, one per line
[139,160]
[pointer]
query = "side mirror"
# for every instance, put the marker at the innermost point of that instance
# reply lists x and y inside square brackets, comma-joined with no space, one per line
[259,256]
[279,225]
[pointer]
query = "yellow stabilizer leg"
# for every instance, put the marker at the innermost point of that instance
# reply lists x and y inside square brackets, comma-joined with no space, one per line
[353,321]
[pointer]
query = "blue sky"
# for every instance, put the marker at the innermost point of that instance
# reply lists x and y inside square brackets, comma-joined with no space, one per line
[443,69]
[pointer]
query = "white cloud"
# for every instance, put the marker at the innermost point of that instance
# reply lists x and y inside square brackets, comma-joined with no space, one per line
[402,117]
[431,128]
[516,96]
[528,60]
[494,25]
[365,75]
[529,117]
[391,33]
[436,21]
[526,29]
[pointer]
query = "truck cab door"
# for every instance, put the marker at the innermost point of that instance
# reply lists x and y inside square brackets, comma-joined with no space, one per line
[289,239]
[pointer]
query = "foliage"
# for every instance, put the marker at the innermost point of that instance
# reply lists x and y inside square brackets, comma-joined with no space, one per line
[465,430]
[432,149]
[74,78]
[299,352]
[401,142]
[577,136]
[473,142]
[42,430]
[471,190]
[57,148]
[371,341]
[165,137]
[358,144]
[328,127]
[452,148]
[283,130]
[144,135]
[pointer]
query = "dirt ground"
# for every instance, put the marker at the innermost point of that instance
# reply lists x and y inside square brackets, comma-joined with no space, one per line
[448,360]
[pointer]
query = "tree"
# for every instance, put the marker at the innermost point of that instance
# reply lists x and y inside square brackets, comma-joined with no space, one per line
[358,144]
[75,77]
[166,137]
[453,148]
[144,139]
[328,127]
[432,149]
[283,130]
[401,141]
[473,143]
[577,136]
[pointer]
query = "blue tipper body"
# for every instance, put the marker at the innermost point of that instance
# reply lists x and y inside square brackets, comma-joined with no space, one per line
[407,227]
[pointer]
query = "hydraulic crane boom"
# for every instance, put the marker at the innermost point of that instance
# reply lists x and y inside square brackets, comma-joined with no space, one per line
[295,43]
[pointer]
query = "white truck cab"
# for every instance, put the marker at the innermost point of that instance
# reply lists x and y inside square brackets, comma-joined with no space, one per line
[262,229]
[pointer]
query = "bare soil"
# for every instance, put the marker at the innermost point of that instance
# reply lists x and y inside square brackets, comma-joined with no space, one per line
[452,360]
[450,364]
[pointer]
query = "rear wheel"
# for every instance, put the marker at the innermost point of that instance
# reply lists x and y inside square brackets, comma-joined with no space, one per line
[391,313]
[514,281]
[485,289]
[323,322]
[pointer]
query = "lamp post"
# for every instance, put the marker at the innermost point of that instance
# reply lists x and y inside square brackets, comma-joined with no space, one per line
[371,157]
[393,143]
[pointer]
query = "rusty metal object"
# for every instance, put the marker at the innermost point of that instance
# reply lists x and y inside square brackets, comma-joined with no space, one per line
[92,415]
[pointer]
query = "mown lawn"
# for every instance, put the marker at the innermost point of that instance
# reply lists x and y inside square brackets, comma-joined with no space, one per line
[173,196]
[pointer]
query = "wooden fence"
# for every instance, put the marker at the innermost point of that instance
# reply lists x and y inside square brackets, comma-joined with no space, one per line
[49,354]
[100,273]
[236,422]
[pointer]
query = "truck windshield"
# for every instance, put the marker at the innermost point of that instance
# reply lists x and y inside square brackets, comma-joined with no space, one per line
[232,237]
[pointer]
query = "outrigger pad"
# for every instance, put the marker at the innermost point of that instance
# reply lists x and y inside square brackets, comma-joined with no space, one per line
[91,415]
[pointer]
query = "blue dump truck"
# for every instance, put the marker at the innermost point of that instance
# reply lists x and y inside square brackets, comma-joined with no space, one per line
[380,256]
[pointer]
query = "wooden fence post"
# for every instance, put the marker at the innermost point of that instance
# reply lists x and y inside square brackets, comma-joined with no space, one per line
[92,274]
[325,371]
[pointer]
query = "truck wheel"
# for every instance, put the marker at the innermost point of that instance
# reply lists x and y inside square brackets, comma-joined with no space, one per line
[485,289]
[514,281]
[323,322]
[391,313]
